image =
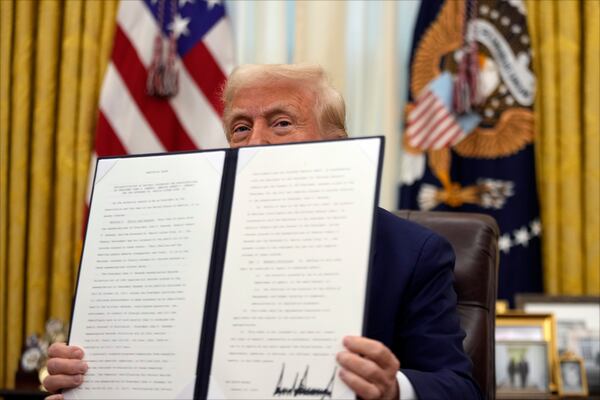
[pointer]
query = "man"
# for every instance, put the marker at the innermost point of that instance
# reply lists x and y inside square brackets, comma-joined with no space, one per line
[412,317]
[523,371]
[512,371]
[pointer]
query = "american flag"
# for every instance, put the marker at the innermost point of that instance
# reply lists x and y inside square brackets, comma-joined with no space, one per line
[131,121]
[431,124]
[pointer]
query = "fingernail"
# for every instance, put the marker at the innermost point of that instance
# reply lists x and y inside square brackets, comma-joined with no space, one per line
[78,379]
[84,368]
[78,353]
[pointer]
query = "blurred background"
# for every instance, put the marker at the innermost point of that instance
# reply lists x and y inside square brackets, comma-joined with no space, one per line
[519,80]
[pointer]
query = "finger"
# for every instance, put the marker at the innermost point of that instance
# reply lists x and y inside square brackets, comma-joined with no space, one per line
[54,383]
[364,368]
[65,366]
[61,350]
[55,397]
[362,388]
[373,350]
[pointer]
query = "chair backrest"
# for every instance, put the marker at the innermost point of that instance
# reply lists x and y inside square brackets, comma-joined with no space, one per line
[474,238]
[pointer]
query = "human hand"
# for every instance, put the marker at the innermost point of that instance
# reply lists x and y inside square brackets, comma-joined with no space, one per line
[369,368]
[65,368]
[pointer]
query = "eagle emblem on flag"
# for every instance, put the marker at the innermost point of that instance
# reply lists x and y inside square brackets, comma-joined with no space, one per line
[498,122]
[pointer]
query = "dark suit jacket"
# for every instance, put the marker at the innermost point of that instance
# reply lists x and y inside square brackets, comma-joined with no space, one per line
[412,309]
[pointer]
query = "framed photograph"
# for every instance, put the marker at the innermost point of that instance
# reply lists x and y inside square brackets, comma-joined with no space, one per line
[519,327]
[573,380]
[577,328]
[522,368]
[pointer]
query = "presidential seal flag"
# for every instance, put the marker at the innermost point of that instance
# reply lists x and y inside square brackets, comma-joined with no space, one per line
[468,143]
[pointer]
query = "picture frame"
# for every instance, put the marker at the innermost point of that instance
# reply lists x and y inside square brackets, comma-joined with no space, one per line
[578,328]
[573,379]
[522,369]
[520,327]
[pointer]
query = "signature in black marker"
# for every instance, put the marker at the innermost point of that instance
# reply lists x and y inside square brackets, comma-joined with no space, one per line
[301,388]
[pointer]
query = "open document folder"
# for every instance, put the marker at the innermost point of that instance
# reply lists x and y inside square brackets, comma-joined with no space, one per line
[226,273]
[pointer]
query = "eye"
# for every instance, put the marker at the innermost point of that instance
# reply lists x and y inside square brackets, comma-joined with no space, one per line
[239,132]
[283,123]
[241,129]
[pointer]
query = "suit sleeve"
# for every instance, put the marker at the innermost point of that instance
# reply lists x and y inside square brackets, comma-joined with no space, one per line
[428,337]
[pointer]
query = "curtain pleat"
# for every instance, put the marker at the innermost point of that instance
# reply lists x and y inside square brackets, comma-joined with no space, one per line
[21,79]
[6,35]
[320,37]
[41,164]
[86,113]
[570,171]
[372,76]
[547,136]
[64,173]
[591,128]
[269,31]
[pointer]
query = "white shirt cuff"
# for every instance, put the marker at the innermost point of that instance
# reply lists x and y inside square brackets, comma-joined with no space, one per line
[407,391]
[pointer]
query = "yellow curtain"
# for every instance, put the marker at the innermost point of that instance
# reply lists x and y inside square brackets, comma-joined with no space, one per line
[565,39]
[52,58]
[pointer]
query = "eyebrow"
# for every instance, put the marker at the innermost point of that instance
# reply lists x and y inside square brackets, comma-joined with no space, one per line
[278,108]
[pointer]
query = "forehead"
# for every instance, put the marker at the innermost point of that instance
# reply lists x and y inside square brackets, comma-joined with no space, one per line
[264,94]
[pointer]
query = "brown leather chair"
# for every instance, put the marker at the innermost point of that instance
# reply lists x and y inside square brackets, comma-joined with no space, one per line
[474,238]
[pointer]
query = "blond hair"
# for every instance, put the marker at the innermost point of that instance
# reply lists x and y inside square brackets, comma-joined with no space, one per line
[330,109]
